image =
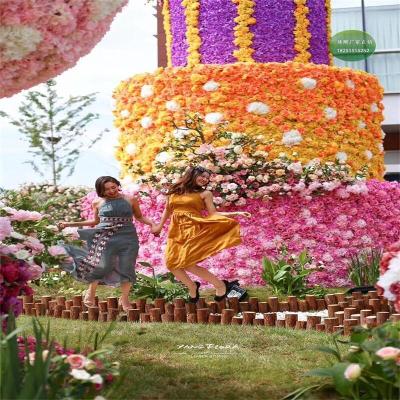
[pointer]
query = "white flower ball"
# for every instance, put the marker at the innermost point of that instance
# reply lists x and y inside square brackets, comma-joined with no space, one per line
[124,113]
[368,154]
[214,118]
[172,105]
[341,156]
[350,84]
[130,149]
[308,83]
[146,122]
[163,157]
[291,138]
[211,86]
[147,91]
[330,113]
[258,108]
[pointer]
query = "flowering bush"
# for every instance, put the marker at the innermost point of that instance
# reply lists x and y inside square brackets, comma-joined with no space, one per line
[331,227]
[14,277]
[389,279]
[370,368]
[41,39]
[60,203]
[241,169]
[45,369]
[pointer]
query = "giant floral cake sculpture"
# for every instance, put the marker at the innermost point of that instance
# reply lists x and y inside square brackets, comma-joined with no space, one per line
[260,71]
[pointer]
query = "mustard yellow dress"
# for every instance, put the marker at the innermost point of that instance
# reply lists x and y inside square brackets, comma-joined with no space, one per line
[192,237]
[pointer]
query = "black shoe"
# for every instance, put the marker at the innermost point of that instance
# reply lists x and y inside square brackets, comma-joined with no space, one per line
[227,290]
[195,299]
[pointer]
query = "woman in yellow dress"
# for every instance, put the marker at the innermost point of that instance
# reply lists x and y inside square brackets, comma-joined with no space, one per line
[192,237]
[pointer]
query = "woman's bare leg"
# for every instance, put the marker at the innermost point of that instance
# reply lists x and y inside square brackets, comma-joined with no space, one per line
[91,292]
[181,275]
[125,288]
[209,277]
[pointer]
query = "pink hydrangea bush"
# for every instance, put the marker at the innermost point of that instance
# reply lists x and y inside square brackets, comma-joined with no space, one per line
[389,281]
[333,227]
[42,38]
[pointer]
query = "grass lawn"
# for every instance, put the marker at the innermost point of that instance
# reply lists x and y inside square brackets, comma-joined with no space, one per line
[253,363]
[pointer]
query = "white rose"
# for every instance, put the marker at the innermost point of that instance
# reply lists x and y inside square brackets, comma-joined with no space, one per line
[146,122]
[124,113]
[341,156]
[22,254]
[211,86]
[96,379]
[368,154]
[308,83]
[291,138]
[214,118]
[238,149]
[163,157]
[80,374]
[361,125]
[179,133]
[146,91]
[130,149]
[350,84]
[258,108]
[172,105]
[330,113]
[374,107]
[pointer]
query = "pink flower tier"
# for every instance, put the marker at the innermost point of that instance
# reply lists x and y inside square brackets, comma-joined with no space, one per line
[299,132]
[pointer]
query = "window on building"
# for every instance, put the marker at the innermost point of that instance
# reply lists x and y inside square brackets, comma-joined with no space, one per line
[380,18]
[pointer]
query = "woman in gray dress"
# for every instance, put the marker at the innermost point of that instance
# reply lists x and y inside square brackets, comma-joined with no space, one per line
[112,246]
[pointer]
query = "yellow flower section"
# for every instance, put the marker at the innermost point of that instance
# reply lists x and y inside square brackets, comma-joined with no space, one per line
[329,26]
[167,28]
[301,35]
[192,32]
[338,115]
[243,37]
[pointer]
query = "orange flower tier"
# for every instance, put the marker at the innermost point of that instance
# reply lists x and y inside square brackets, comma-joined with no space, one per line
[306,111]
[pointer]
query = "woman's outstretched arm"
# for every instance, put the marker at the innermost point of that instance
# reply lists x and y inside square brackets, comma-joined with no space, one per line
[164,217]
[208,200]
[89,222]
[138,213]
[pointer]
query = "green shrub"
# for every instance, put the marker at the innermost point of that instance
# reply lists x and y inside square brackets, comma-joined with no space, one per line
[364,267]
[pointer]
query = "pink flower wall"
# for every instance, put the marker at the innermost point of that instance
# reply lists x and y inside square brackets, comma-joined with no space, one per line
[332,227]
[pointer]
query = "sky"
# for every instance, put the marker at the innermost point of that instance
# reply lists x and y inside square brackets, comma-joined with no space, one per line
[127,49]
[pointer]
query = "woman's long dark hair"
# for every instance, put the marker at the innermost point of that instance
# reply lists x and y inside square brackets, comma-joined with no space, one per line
[187,183]
[101,181]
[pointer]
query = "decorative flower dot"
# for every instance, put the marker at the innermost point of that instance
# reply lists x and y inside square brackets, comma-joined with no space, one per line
[214,118]
[124,113]
[146,122]
[258,108]
[172,105]
[308,83]
[374,107]
[211,86]
[146,91]
[330,113]
[350,84]
[362,125]
[130,149]
[368,154]
[291,138]
[341,156]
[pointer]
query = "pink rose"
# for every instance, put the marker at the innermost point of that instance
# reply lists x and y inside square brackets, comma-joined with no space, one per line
[5,227]
[352,372]
[56,251]
[76,361]
[388,353]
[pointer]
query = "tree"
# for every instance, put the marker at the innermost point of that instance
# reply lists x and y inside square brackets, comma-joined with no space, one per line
[55,129]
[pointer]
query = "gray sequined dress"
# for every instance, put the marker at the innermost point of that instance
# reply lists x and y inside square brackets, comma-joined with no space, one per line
[109,255]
